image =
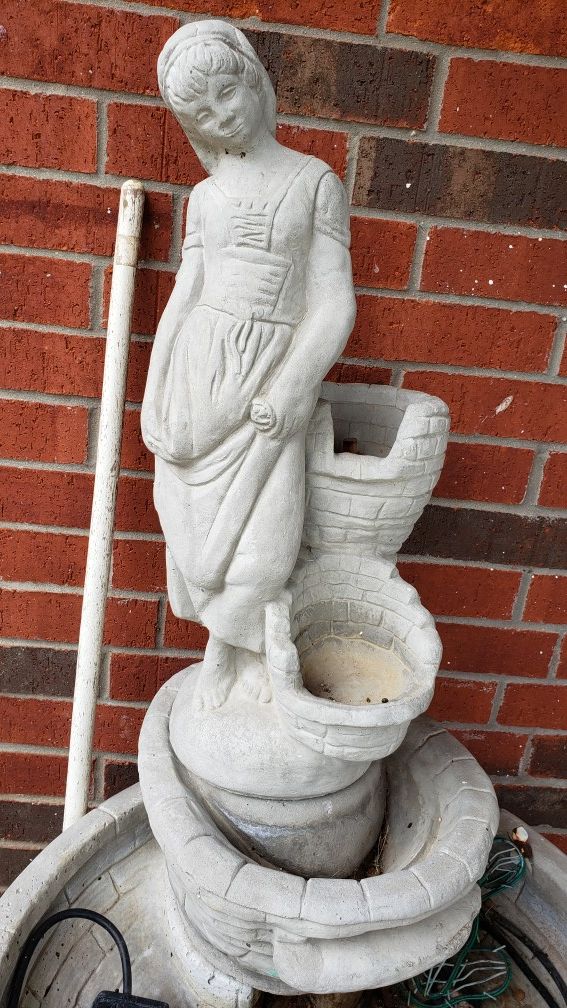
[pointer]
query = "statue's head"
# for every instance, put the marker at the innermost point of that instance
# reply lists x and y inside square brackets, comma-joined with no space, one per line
[213,82]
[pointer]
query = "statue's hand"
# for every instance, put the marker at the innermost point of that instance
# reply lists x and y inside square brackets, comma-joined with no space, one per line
[262,415]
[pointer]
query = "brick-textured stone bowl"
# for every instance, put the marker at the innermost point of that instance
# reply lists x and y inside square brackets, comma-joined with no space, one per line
[349,602]
[368,503]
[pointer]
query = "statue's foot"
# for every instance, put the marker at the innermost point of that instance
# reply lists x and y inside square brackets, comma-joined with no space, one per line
[217,676]
[256,681]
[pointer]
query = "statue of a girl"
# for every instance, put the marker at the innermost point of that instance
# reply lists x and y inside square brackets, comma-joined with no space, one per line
[262,306]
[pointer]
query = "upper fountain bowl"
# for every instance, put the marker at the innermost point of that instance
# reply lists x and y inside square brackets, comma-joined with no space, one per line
[368,503]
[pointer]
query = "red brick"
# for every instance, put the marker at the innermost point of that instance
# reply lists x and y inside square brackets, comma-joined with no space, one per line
[117,728]
[547,599]
[42,432]
[47,131]
[382,252]
[463,591]
[76,217]
[335,79]
[13,862]
[47,723]
[51,40]
[505,101]
[553,491]
[462,700]
[151,295]
[184,634]
[50,291]
[64,365]
[135,511]
[32,773]
[366,374]
[540,806]
[430,332]
[485,473]
[42,557]
[513,26]
[360,17]
[42,497]
[496,651]
[500,407]
[117,775]
[35,615]
[145,141]
[138,565]
[531,705]
[27,721]
[328,145]
[34,822]
[549,755]
[497,752]
[481,264]
[559,839]
[453,180]
[138,677]
[134,453]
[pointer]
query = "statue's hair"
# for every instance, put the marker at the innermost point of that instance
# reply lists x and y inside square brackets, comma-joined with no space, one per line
[187,73]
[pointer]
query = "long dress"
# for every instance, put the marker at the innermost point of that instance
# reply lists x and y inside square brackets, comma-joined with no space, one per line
[231,498]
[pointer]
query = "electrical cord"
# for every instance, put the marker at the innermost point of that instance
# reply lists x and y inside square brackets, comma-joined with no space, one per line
[41,930]
[501,922]
[495,932]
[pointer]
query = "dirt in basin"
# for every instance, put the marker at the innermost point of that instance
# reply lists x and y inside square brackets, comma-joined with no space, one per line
[353,671]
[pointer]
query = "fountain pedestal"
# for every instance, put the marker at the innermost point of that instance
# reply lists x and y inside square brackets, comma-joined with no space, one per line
[266,810]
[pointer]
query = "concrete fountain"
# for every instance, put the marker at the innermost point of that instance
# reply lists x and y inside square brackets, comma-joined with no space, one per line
[301,827]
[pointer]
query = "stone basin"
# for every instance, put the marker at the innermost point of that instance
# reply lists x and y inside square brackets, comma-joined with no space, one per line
[360,618]
[109,863]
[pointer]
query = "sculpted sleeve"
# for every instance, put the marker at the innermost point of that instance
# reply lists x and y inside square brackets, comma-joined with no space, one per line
[331,209]
[193,230]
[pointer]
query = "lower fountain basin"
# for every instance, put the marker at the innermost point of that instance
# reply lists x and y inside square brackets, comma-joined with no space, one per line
[108,863]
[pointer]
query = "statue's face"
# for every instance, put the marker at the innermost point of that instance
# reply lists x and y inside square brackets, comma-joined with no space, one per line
[228,115]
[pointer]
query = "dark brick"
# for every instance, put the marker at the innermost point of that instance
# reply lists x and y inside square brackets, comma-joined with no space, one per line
[482,185]
[13,860]
[489,536]
[549,756]
[37,670]
[32,822]
[538,806]
[118,775]
[341,80]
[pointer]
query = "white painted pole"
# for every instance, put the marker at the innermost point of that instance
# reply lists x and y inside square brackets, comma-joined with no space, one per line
[104,497]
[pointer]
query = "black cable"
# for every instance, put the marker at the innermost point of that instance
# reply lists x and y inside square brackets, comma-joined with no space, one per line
[43,927]
[544,959]
[500,936]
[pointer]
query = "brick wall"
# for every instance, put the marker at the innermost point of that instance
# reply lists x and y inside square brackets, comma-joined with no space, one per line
[446,122]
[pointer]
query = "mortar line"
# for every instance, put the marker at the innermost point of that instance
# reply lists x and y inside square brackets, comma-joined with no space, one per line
[355,131]
[382,21]
[556,657]
[535,479]
[474,371]
[521,595]
[437,92]
[558,348]
[352,163]
[414,280]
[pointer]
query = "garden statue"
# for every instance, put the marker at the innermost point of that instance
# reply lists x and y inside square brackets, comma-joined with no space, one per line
[263,768]
[262,307]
